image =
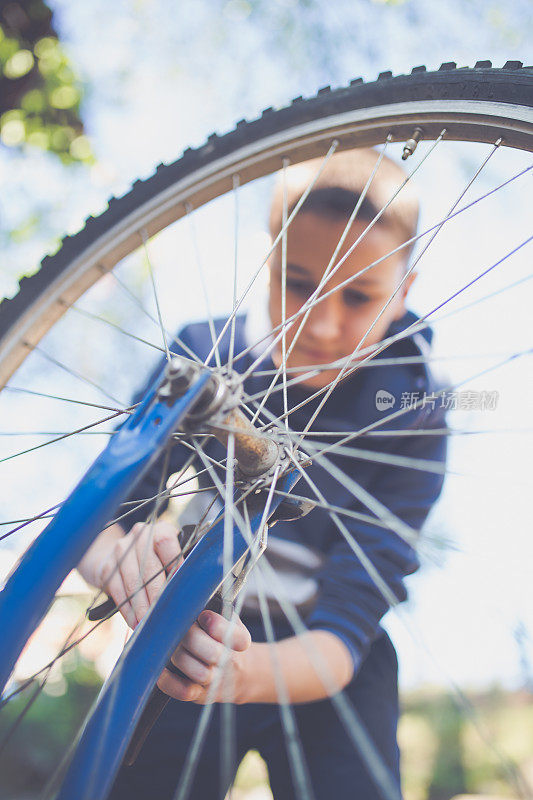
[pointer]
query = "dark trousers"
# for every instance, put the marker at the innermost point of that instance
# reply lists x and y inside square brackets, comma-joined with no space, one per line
[335,767]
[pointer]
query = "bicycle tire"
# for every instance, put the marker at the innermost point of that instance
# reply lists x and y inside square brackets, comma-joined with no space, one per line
[493,103]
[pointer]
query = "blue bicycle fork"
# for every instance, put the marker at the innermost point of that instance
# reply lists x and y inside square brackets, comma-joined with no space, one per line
[30,589]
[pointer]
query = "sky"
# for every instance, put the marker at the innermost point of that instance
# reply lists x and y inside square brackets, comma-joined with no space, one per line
[160,76]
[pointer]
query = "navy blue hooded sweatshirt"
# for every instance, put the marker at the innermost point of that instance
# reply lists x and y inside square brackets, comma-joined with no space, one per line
[348,603]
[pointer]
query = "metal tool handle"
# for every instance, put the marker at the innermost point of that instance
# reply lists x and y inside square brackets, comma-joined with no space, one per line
[158,699]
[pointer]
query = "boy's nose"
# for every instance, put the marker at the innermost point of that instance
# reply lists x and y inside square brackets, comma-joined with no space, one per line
[324,323]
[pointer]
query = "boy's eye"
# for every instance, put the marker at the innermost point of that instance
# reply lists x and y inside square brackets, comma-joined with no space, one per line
[354,298]
[302,288]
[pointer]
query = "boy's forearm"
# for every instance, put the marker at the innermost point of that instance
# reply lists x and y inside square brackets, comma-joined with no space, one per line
[313,666]
[98,551]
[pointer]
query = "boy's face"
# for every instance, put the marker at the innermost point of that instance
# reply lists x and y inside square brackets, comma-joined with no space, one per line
[337,324]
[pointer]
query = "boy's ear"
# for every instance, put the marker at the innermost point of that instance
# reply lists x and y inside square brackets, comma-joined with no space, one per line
[269,268]
[405,291]
[409,282]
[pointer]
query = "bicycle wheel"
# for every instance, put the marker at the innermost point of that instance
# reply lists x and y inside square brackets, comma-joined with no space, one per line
[478,106]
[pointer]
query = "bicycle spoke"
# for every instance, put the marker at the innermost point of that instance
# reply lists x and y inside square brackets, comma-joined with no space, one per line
[167,493]
[331,266]
[408,243]
[61,434]
[23,523]
[96,599]
[416,327]
[227,555]
[43,515]
[172,338]
[393,602]
[297,762]
[67,648]
[346,712]
[423,465]
[37,348]
[402,411]
[407,462]
[193,447]
[437,541]
[416,432]
[411,629]
[135,506]
[440,393]
[251,413]
[140,588]
[344,371]
[200,271]
[144,238]
[513,772]
[64,399]
[314,298]
[148,548]
[388,519]
[283,365]
[427,245]
[228,744]
[413,328]
[60,438]
[382,362]
[358,551]
[228,732]
[98,318]
[134,535]
[17,722]
[294,212]
[193,755]
[392,521]
[236,185]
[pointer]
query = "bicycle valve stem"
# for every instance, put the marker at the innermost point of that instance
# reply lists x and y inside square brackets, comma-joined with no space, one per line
[411,144]
[256,453]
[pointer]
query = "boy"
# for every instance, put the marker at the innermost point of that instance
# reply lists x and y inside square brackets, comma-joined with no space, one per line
[332,591]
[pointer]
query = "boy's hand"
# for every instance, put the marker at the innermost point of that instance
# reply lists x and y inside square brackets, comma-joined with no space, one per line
[198,655]
[148,552]
[119,564]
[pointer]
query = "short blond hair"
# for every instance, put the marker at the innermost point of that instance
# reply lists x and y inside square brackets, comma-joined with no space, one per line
[340,185]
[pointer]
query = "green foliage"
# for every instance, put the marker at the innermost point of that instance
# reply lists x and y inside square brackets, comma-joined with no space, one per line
[36,747]
[444,753]
[40,93]
[448,770]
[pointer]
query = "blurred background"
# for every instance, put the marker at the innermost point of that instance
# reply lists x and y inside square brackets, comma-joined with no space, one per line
[94,95]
